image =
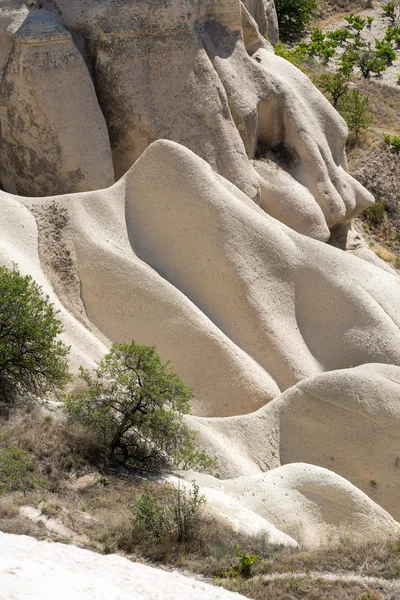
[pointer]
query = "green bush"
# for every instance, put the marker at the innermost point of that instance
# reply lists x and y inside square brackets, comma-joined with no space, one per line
[356,22]
[390,9]
[135,405]
[393,34]
[340,35]
[171,513]
[33,360]
[369,62]
[356,111]
[385,51]
[18,472]
[334,84]
[393,141]
[294,16]
[245,563]
[296,55]
[376,213]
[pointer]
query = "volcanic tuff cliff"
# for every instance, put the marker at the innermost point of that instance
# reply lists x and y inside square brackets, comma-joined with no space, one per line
[167,178]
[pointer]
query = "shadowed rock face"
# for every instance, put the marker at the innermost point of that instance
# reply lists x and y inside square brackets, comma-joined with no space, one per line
[87,86]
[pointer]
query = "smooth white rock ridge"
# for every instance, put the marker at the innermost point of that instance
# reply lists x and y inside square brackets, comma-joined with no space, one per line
[33,570]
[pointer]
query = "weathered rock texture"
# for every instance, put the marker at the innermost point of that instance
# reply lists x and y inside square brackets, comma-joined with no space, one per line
[125,75]
[231,175]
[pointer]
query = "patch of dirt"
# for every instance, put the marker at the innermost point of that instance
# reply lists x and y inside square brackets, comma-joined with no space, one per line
[58,258]
[330,11]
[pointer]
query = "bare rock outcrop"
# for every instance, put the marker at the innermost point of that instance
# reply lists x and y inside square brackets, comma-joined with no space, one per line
[186,71]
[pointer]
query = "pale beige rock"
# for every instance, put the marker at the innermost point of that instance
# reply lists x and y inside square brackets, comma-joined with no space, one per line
[53,136]
[301,502]
[313,505]
[19,246]
[173,254]
[264,13]
[198,73]
[337,420]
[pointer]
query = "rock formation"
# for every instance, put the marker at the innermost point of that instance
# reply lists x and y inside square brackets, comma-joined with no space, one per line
[30,569]
[167,178]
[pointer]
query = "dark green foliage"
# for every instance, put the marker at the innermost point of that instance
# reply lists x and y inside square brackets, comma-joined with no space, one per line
[348,61]
[370,62]
[18,472]
[294,16]
[356,111]
[170,513]
[135,404]
[376,213]
[33,360]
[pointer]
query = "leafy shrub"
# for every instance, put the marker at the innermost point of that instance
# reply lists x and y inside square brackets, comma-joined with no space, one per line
[393,35]
[384,50]
[172,513]
[33,360]
[319,45]
[370,20]
[296,55]
[335,84]
[376,213]
[244,566]
[135,404]
[348,61]
[370,62]
[357,113]
[356,22]
[294,16]
[393,141]
[390,9]
[18,472]
[340,35]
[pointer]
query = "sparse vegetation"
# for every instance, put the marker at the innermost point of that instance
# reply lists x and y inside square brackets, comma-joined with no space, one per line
[33,360]
[171,513]
[390,9]
[18,472]
[357,112]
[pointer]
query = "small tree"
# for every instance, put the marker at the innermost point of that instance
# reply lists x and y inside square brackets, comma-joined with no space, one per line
[32,358]
[294,16]
[135,403]
[369,62]
[335,84]
[356,111]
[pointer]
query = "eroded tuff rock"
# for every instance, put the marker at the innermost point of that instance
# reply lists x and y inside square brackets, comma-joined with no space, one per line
[210,244]
[198,73]
[31,569]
